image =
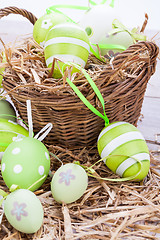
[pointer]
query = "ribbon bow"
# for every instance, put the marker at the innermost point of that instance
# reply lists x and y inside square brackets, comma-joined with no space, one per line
[119,27]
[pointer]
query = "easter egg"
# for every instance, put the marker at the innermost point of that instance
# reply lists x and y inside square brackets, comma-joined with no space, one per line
[69,183]
[97,21]
[44,23]
[7,110]
[9,131]
[120,40]
[24,211]
[25,162]
[125,140]
[68,43]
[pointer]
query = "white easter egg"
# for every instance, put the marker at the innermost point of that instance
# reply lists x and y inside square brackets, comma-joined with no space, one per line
[68,43]
[69,183]
[24,211]
[98,21]
[125,141]
[119,41]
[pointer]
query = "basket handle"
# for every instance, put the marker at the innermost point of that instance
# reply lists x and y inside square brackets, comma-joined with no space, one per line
[23,12]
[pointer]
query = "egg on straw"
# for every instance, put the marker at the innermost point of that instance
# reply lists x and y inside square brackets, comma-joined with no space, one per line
[69,183]
[26,161]
[24,211]
[125,141]
[66,42]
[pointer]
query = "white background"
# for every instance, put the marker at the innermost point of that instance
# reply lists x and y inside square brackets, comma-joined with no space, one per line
[131,11]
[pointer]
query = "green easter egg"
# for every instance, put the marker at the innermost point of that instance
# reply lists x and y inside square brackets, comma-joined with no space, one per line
[25,162]
[122,138]
[66,42]
[69,183]
[24,211]
[7,110]
[9,131]
[44,23]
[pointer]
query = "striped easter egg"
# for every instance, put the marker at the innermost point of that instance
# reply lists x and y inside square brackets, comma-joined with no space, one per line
[122,138]
[66,42]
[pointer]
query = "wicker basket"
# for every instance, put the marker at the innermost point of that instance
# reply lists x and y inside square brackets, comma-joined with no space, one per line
[122,85]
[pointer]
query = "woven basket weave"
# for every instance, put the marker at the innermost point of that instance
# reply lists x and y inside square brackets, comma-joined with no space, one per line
[122,85]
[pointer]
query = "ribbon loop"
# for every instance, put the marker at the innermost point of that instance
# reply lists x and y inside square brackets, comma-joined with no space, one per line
[46,129]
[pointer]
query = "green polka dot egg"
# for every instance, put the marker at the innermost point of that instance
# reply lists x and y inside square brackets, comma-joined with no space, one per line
[44,24]
[9,131]
[24,211]
[125,140]
[66,42]
[69,183]
[25,163]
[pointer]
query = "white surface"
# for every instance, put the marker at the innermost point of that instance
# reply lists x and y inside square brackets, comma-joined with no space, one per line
[130,11]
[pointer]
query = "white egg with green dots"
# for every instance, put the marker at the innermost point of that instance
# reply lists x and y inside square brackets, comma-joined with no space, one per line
[66,42]
[24,211]
[10,131]
[26,161]
[69,183]
[124,140]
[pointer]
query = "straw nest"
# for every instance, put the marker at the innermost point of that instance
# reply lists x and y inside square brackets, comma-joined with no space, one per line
[107,210]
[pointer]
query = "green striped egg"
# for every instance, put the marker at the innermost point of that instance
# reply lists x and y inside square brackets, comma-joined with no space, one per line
[66,42]
[9,131]
[122,138]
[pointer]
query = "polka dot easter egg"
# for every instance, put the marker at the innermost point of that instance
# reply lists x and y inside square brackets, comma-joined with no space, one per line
[7,111]
[24,211]
[69,183]
[44,23]
[121,138]
[9,131]
[68,43]
[25,163]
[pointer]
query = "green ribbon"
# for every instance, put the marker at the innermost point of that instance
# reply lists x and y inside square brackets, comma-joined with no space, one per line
[91,171]
[4,195]
[102,2]
[119,27]
[81,96]
[55,8]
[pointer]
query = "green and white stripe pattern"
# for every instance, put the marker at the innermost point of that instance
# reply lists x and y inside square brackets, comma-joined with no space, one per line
[125,140]
[67,42]
[9,131]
